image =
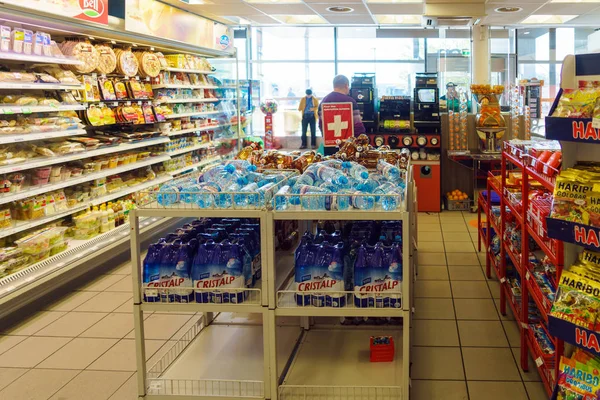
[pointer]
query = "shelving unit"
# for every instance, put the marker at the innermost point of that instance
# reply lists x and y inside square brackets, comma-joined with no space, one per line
[523,216]
[14,288]
[278,347]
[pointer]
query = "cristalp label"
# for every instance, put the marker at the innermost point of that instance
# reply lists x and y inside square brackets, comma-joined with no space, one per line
[583,130]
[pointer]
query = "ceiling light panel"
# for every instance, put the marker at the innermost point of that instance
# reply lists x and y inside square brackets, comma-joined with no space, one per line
[399,19]
[300,19]
[566,8]
[352,19]
[322,8]
[283,9]
[548,19]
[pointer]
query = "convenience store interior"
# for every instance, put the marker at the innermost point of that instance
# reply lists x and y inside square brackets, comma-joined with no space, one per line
[142,140]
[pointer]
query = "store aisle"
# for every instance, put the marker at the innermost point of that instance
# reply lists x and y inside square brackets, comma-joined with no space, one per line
[82,347]
[463,347]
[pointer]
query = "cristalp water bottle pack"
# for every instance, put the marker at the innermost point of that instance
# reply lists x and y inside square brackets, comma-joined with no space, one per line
[235,184]
[210,260]
[363,256]
[337,185]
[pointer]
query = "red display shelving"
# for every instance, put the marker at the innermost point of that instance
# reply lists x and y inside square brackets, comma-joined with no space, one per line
[529,219]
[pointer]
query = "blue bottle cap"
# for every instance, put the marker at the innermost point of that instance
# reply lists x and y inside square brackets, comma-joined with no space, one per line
[343,180]
[229,168]
[364,174]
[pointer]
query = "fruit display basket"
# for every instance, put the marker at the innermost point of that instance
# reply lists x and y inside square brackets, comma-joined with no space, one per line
[457,201]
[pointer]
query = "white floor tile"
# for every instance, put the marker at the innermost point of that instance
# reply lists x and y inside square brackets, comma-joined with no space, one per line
[34,323]
[78,354]
[39,384]
[9,375]
[97,385]
[31,351]
[71,325]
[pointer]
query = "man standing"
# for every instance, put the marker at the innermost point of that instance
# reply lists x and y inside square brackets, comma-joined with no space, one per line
[308,107]
[341,88]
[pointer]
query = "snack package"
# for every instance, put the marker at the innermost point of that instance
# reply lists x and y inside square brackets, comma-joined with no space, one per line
[5,38]
[573,303]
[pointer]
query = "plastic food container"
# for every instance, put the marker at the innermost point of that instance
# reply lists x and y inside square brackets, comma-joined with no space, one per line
[56,170]
[133,157]
[76,172]
[43,172]
[59,248]
[65,174]
[113,162]
[34,244]
[36,180]
[55,179]
[56,235]
[37,257]
[86,233]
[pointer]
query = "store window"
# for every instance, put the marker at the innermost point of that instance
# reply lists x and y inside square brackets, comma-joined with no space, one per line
[450,56]
[363,43]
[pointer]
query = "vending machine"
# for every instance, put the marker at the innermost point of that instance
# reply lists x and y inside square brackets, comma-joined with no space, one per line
[364,91]
[425,143]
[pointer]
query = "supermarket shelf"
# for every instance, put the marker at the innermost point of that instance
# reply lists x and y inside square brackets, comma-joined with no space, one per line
[513,210]
[8,110]
[544,180]
[540,362]
[189,149]
[576,335]
[542,244]
[191,114]
[25,225]
[286,306]
[34,191]
[44,161]
[39,86]
[38,59]
[28,137]
[155,210]
[513,154]
[206,307]
[542,302]
[176,86]
[34,281]
[343,366]
[494,265]
[179,101]
[509,299]
[200,164]
[351,215]
[573,232]
[516,260]
[201,129]
[188,71]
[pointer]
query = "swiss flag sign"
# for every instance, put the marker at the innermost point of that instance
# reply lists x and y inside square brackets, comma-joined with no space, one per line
[338,123]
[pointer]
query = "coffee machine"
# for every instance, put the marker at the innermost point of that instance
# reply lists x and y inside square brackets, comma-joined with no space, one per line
[364,91]
[425,144]
[394,121]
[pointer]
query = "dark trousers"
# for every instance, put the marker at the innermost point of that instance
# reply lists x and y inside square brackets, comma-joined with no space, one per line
[309,120]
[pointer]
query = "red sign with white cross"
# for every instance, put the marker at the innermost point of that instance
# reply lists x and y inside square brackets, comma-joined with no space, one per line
[337,123]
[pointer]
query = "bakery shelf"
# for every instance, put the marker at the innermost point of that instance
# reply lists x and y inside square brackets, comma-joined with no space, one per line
[343,369]
[176,86]
[9,110]
[178,101]
[188,71]
[39,189]
[29,137]
[44,161]
[191,114]
[39,86]
[38,59]
[200,129]
[21,226]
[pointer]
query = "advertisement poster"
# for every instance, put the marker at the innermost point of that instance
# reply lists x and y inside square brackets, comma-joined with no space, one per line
[269,131]
[151,17]
[86,10]
[338,123]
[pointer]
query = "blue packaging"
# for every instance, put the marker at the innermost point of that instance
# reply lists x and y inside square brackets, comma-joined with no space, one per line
[180,287]
[221,266]
[378,276]
[319,270]
[151,273]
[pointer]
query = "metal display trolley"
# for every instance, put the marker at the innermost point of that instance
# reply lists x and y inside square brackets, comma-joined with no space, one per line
[286,351]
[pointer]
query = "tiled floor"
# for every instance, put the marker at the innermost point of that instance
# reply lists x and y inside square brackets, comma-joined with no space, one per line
[463,348]
[82,346]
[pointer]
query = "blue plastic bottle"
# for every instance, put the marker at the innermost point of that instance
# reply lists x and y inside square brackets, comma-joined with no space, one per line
[151,273]
[388,170]
[332,175]
[168,276]
[182,290]
[355,170]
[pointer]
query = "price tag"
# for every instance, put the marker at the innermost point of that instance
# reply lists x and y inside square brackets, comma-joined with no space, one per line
[115,104]
[524,325]
[596,123]
[539,361]
[502,280]
[8,111]
[128,103]
[147,79]
[139,103]
[151,48]
[137,78]
[527,275]
[113,42]
[26,110]
[18,139]
[54,105]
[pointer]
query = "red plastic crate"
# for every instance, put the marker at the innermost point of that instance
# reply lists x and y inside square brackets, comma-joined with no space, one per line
[383,352]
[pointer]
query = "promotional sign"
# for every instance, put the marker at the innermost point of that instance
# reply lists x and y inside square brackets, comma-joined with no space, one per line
[269,131]
[337,123]
[154,18]
[87,10]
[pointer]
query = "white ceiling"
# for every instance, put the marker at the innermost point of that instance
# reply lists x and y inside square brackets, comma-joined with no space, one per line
[268,12]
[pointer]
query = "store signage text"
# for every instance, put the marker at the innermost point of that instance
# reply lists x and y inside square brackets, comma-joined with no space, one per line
[586,340]
[227,280]
[588,237]
[324,284]
[586,131]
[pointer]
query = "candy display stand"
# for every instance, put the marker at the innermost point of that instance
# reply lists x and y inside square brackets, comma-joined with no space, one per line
[269,108]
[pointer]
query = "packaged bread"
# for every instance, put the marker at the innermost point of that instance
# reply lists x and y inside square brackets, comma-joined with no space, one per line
[127,63]
[4,38]
[83,51]
[149,64]
[65,77]
[27,41]
[107,61]
[17,77]
[17,36]
[38,43]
